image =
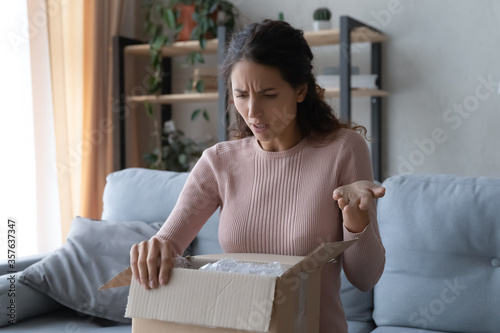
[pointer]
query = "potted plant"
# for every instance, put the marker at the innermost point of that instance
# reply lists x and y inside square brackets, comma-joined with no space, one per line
[165,22]
[178,153]
[322,19]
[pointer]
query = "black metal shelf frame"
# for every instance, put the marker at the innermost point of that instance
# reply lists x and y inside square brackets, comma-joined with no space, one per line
[347,24]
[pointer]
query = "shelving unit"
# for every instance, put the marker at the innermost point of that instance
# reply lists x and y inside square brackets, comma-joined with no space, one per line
[351,31]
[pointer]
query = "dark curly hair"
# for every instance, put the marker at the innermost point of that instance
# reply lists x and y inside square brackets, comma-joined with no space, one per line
[277,44]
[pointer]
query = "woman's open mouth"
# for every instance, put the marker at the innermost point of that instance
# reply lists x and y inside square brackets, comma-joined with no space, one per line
[259,128]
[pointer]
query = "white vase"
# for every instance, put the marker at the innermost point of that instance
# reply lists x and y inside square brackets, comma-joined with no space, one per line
[321,25]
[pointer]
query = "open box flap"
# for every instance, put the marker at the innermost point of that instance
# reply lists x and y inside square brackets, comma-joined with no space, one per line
[206,298]
[122,279]
[323,254]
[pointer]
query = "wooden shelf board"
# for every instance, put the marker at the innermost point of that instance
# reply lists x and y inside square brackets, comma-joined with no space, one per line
[176,98]
[213,96]
[332,36]
[176,49]
[314,38]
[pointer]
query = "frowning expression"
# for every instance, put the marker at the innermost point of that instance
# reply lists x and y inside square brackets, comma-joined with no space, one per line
[267,103]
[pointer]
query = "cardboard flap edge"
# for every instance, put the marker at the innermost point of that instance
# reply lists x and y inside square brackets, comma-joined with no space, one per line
[122,279]
[322,255]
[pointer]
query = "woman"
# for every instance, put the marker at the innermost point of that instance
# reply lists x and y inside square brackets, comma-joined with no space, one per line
[274,184]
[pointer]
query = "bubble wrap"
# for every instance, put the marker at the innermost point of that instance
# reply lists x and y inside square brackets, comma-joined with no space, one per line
[235,266]
[181,262]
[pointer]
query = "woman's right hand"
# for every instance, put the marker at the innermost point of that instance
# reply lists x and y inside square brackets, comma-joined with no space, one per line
[151,262]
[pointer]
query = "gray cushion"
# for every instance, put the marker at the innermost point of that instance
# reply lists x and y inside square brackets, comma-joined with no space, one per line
[28,301]
[442,236]
[150,195]
[95,252]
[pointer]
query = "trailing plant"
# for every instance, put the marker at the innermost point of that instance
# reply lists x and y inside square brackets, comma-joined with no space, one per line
[178,153]
[162,25]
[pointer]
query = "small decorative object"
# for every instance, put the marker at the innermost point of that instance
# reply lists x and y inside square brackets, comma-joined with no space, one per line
[281,16]
[178,153]
[322,19]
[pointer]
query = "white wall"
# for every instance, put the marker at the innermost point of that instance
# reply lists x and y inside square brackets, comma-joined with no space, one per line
[439,56]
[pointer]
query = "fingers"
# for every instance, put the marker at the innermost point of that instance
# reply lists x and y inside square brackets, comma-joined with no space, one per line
[166,263]
[378,192]
[134,256]
[151,262]
[338,193]
[142,264]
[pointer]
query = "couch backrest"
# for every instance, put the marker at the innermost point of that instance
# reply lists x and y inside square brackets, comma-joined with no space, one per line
[137,194]
[442,240]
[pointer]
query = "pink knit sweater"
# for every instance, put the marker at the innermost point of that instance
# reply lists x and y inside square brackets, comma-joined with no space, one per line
[281,203]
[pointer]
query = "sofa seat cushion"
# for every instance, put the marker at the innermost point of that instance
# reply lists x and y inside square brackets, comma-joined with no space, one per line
[393,329]
[442,237]
[66,320]
[360,326]
[28,302]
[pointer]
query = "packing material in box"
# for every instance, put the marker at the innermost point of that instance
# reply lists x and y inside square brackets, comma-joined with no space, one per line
[197,300]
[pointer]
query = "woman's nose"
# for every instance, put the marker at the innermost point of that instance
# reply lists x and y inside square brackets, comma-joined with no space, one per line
[254,109]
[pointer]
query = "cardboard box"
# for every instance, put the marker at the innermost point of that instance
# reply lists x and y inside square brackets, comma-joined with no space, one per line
[207,301]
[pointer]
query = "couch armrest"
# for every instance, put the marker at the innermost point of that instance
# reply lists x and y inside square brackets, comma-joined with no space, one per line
[21,263]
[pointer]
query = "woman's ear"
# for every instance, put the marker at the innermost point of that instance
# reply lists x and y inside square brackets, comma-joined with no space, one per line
[301,92]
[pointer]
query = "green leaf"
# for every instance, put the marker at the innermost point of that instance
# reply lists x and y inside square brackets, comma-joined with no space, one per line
[199,58]
[211,24]
[213,8]
[149,109]
[206,115]
[169,18]
[155,58]
[200,86]
[196,17]
[204,25]
[159,41]
[182,159]
[195,114]
[203,43]
[195,34]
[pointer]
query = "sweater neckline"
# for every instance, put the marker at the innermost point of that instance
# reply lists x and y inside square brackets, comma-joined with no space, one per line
[279,154]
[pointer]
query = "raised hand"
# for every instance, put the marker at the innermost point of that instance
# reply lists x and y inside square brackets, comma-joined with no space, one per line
[354,200]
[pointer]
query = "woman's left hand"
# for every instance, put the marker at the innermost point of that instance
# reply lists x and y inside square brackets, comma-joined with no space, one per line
[354,200]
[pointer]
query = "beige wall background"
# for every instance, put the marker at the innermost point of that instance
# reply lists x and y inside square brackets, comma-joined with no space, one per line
[441,67]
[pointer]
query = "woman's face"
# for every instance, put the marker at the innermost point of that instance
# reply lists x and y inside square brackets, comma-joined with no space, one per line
[268,104]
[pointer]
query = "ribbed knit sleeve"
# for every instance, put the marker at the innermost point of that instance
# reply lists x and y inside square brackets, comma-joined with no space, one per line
[363,263]
[197,201]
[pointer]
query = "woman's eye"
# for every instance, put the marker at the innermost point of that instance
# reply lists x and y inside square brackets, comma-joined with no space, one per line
[241,96]
[270,96]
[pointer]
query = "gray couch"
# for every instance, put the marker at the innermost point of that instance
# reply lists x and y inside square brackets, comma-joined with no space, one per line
[442,274]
